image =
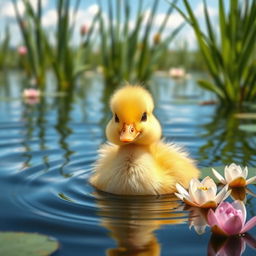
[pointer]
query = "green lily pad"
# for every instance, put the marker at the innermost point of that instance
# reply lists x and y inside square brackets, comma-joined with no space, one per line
[246,115]
[248,127]
[207,171]
[23,244]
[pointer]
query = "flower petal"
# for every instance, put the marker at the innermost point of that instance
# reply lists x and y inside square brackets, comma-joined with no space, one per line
[250,224]
[181,190]
[233,225]
[212,218]
[190,202]
[218,176]
[238,182]
[251,180]
[209,204]
[238,205]
[210,184]
[245,172]
[222,195]
[201,196]
[232,172]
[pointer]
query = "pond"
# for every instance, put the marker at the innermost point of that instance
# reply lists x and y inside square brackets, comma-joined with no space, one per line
[47,151]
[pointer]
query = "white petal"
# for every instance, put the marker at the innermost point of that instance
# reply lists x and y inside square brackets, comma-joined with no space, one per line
[245,172]
[222,195]
[218,176]
[251,180]
[200,196]
[239,205]
[179,196]
[209,183]
[181,190]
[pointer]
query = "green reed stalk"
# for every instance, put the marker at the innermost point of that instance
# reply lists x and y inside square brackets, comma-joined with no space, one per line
[228,53]
[130,53]
[33,36]
[4,49]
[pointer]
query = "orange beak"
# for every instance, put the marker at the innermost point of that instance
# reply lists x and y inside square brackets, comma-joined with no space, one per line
[128,133]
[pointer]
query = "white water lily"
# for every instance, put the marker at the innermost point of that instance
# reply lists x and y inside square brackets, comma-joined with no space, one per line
[202,194]
[235,176]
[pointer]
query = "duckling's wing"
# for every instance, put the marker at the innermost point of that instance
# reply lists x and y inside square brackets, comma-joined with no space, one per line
[175,161]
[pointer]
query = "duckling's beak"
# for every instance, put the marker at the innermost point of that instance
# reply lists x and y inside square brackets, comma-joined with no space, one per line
[128,133]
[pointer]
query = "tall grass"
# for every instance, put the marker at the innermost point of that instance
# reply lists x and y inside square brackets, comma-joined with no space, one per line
[131,53]
[33,36]
[66,61]
[4,49]
[228,50]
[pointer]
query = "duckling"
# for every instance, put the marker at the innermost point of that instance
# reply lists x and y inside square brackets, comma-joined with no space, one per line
[137,161]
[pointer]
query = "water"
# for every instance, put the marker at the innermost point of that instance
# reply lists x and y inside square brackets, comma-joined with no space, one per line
[46,156]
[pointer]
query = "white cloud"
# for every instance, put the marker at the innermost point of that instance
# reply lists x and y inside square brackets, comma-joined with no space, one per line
[7,9]
[199,11]
[49,18]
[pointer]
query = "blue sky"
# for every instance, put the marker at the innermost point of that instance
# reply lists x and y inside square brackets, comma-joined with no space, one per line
[88,8]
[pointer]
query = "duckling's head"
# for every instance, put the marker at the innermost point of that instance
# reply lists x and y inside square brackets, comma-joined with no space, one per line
[133,120]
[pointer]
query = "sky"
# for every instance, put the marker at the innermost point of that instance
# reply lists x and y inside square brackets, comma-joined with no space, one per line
[88,8]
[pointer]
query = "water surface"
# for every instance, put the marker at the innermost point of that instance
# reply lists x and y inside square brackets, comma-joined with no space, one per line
[46,155]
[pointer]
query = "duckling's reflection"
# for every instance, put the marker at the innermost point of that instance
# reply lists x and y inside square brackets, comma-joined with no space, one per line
[132,221]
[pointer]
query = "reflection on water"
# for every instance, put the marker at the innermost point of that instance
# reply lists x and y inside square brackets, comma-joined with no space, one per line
[47,151]
[230,246]
[132,221]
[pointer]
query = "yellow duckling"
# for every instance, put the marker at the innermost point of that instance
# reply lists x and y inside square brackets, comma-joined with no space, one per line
[138,162]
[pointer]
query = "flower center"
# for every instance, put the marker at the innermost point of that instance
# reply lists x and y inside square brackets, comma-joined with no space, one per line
[202,188]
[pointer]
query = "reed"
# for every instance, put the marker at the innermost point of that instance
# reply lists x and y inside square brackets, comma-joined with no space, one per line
[65,60]
[131,53]
[228,51]
[4,49]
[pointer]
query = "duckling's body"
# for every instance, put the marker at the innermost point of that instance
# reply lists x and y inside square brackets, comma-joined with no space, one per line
[140,163]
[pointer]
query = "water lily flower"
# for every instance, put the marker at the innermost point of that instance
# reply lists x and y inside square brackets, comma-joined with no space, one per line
[234,176]
[31,93]
[177,72]
[83,29]
[202,194]
[229,219]
[22,50]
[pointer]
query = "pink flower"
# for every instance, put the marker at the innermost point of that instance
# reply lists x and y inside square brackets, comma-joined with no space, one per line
[177,72]
[31,93]
[22,50]
[229,219]
[83,30]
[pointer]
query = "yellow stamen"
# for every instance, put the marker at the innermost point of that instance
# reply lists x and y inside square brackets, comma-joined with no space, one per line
[202,188]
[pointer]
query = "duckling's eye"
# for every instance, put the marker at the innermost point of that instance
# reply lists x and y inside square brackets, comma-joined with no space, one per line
[116,118]
[144,117]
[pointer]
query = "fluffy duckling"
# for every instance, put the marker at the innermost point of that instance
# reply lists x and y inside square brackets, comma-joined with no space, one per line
[138,162]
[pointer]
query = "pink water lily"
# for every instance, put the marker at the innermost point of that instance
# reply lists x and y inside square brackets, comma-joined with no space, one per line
[202,194]
[31,93]
[22,50]
[235,176]
[229,219]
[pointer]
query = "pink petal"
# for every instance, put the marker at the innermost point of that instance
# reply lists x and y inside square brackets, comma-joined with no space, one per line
[250,224]
[233,225]
[239,205]
[212,219]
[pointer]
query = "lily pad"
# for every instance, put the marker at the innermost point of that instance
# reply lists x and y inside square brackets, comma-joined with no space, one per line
[23,244]
[248,127]
[246,115]
[207,171]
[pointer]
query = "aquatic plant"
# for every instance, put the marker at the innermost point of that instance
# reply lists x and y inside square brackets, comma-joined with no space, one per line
[228,51]
[131,53]
[229,219]
[202,194]
[234,176]
[67,61]
[4,47]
